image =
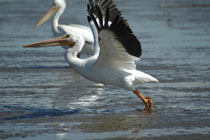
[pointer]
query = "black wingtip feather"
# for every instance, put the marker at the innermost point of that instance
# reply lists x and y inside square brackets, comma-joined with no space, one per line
[105,11]
[91,3]
[100,16]
[88,8]
[88,18]
[106,18]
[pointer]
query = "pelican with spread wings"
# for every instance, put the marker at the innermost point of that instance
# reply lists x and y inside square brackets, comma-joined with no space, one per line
[116,50]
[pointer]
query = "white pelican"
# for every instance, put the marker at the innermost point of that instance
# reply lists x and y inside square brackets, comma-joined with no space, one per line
[116,50]
[83,32]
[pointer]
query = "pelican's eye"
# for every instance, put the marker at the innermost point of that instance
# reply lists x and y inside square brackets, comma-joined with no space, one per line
[54,4]
[67,36]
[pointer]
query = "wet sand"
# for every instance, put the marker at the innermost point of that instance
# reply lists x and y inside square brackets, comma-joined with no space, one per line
[42,98]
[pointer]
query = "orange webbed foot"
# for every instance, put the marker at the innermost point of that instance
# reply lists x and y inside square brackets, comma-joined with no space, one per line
[148,104]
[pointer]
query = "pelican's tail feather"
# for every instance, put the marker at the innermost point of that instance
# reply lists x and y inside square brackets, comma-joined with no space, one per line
[141,77]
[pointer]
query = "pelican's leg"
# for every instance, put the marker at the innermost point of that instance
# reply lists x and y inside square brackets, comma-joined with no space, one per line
[147,101]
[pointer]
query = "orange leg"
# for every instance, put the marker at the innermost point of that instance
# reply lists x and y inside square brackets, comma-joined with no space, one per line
[147,101]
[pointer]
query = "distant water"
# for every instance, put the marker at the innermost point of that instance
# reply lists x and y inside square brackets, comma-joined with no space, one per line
[41,97]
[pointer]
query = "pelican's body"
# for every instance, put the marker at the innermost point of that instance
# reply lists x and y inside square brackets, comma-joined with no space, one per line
[84,32]
[102,69]
[116,50]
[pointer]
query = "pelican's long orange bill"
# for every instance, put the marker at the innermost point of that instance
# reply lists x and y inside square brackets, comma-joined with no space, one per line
[49,13]
[59,41]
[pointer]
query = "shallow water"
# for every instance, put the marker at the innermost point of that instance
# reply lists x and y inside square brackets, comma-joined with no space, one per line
[41,98]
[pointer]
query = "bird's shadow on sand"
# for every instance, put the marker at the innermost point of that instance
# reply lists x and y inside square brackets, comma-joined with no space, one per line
[45,67]
[33,112]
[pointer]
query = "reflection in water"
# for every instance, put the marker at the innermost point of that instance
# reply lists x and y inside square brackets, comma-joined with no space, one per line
[89,100]
[77,93]
[61,135]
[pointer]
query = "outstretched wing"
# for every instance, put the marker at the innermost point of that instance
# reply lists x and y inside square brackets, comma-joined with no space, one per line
[119,47]
[104,4]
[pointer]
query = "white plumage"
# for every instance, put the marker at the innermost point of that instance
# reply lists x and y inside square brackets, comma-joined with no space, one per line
[84,32]
[116,50]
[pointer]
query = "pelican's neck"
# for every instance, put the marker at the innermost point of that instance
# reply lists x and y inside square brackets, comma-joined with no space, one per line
[55,21]
[73,60]
[80,65]
[95,38]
